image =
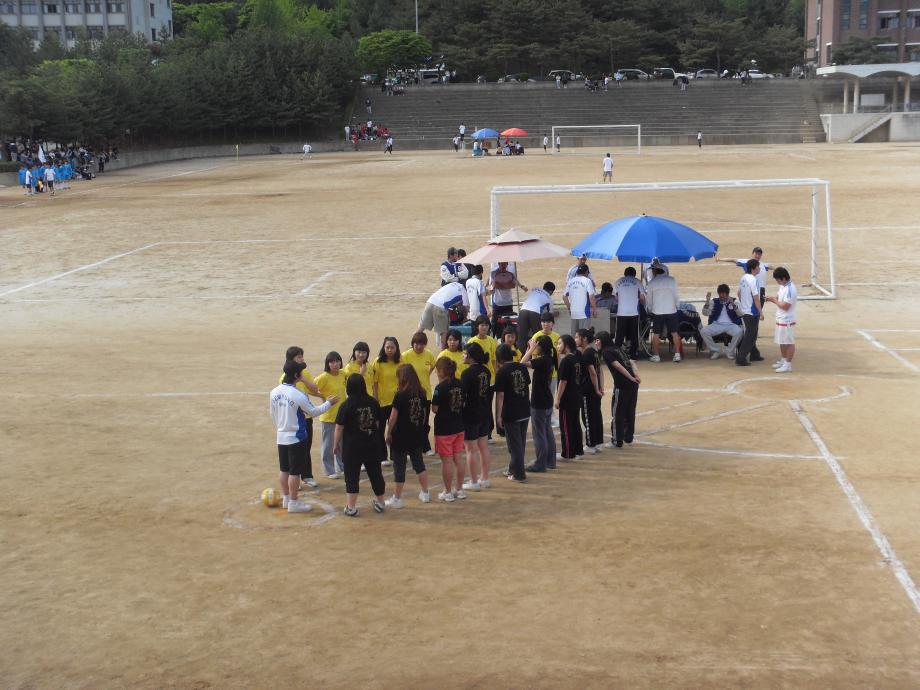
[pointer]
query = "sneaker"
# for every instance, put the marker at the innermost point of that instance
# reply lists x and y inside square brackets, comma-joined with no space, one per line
[386,463]
[393,502]
[310,482]
[609,444]
[654,358]
[620,444]
[714,355]
[785,369]
[284,502]
[351,512]
[515,479]
[459,494]
[295,506]
[591,450]
[730,354]
[756,358]
[447,497]
[472,486]
[378,506]
[334,475]
[742,363]
[534,468]
[778,363]
[485,483]
[490,441]
[429,452]
[424,496]
[676,357]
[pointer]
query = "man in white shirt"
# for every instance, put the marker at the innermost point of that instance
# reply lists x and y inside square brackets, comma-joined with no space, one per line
[608,169]
[756,253]
[475,293]
[630,294]
[650,271]
[289,409]
[579,298]
[456,142]
[558,143]
[663,302]
[307,150]
[435,316]
[49,178]
[452,271]
[389,146]
[545,143]
[724,318]
[784,336]
[538,302]
[582,261]
[751,315]
[462,130]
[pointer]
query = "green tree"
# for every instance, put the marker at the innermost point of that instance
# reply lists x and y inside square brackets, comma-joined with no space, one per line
[712,42]
[861,51]
[16,55]
[384,49]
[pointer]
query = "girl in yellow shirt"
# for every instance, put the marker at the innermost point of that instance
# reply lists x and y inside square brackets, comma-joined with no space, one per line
[360,364]
[454,351]
[385,384]
[331,382]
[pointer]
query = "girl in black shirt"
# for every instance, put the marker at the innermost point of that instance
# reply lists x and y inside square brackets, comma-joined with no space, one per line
[592,389]
[542,359]
[626,382]
[476,416]
[568,398]
[447,402]
[357,440]
[406,433]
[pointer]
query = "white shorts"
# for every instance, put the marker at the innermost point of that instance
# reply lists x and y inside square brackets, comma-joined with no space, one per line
[785,334]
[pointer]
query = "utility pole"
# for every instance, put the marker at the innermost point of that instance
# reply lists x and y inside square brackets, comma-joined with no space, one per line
[416,16]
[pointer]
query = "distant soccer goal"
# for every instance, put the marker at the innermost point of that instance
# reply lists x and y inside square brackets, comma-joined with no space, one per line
[789,218]
[621,139]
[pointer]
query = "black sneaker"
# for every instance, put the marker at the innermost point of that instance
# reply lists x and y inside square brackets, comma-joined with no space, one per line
[351,512]
[757,359]
[742,363]
[378,506]
[535,468]
[619,444]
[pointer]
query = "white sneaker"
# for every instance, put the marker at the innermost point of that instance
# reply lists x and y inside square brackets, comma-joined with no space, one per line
[298,507]
[429,452]
[715,355]
[785,369]
[351,512]
[424,496]
[778,363]
[378,506]
[676,357]
[386,463]
[730,354]
[610,444]
[334,475]
[471,486]
[490,441]
[460,494]
[485,483]
[654,358]
[591,450]
[446,496]
[284,502]
[393,502]
[311,483]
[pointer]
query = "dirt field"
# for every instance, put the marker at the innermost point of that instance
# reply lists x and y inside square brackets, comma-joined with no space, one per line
[762,533]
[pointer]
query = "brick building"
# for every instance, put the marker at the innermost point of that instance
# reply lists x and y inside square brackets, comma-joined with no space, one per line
[829,23]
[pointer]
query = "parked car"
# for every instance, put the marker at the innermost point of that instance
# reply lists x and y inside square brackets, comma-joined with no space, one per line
[664,73]
[565,74]
[513,79]
[633,74]
[706,74]
[757,74]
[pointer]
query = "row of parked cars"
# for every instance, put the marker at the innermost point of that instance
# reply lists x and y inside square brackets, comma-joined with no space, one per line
[632,74]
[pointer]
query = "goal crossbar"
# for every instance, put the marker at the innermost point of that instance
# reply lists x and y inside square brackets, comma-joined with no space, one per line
[828,292]
[638,128]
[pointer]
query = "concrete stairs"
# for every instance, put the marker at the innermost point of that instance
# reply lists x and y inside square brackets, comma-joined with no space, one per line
[765,112]
[870,127]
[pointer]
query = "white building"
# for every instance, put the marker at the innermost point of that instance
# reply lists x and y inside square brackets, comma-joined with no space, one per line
[65,18]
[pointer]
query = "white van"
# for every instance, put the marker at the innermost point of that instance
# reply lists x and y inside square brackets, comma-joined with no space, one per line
[429,76]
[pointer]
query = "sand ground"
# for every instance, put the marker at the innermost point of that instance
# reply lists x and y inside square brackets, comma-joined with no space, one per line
[763,533]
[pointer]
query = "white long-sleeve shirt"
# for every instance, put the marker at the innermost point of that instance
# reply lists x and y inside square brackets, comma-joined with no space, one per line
[289,409]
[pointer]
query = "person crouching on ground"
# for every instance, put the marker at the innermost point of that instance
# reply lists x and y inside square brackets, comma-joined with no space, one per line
[406,433]
[357,441]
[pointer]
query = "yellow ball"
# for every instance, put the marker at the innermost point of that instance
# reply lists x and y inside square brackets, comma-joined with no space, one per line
[271,498]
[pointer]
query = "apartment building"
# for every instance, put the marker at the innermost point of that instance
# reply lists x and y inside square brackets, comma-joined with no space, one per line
[66,18]
[830,23]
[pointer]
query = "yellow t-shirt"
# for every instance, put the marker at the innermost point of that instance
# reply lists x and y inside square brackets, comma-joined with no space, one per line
[488,345]
[423,365]
[355,368]
[299,385]
[457,357]
[385,378]
[552,336]
[330,385]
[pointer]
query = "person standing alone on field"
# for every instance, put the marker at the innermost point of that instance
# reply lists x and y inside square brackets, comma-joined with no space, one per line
[608,169]
[558,143]
[389,146]
[785,319]
[545,143]
[699,139]
[462,132]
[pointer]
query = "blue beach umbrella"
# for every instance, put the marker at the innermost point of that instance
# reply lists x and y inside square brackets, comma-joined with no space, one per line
[486,134]
[639,239]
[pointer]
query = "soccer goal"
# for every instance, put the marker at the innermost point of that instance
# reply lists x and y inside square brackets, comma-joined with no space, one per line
[623,139]
[790,219]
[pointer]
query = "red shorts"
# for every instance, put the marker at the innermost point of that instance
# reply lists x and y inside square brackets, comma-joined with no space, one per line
[448,446]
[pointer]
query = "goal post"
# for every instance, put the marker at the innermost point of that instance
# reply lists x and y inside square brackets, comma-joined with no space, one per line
[587,136]
[821,260]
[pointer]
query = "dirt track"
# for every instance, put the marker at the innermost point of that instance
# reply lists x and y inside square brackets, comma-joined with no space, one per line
[134,440]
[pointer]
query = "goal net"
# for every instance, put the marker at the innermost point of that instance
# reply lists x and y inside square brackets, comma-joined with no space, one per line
[579,139]
[790,219]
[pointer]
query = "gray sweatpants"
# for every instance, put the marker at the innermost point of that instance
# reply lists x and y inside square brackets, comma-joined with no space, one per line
[331,463]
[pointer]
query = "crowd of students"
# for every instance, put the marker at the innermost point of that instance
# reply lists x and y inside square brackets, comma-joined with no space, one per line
[379,411]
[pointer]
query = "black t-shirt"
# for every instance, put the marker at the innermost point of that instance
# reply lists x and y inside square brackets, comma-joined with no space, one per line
[475,381]
[588,358]
[513,380]
[360,435]
[541,395]
[570,370]
[448,396]
[409,431]
[613,354]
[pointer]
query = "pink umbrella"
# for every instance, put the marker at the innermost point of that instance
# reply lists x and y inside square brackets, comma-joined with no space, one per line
[516,245]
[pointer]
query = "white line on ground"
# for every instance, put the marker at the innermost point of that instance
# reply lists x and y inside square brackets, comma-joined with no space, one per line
[875,343]
[862,511]
[306,290]
[707,418]
[905,349]
[724,451]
